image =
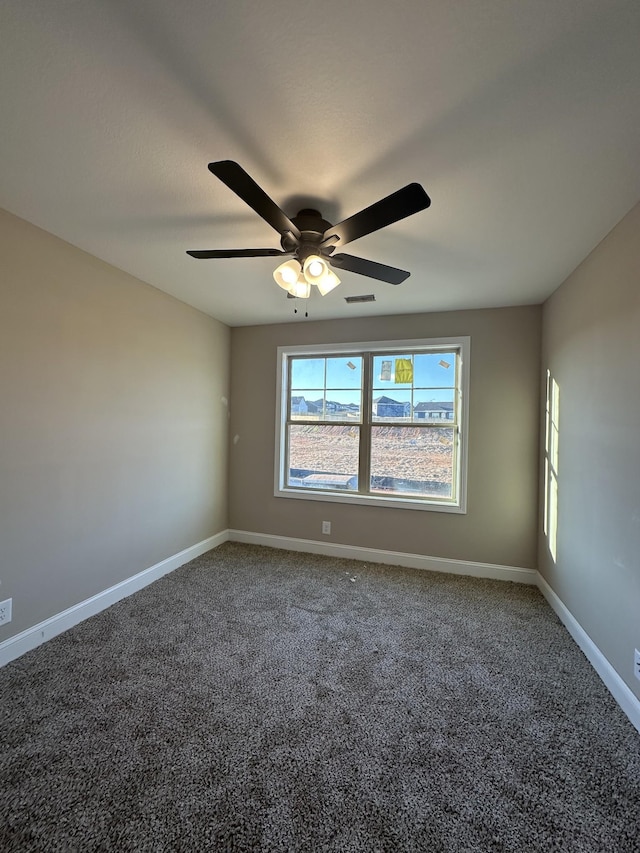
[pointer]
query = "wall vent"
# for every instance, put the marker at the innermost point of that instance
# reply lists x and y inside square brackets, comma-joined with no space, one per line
[368,298]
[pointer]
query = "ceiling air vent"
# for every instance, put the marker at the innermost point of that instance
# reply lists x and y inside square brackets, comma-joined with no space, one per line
[368,298]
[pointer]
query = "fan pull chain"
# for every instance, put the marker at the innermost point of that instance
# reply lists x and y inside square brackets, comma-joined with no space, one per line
[295,310]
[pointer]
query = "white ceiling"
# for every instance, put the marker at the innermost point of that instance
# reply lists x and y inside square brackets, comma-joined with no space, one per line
[521,120]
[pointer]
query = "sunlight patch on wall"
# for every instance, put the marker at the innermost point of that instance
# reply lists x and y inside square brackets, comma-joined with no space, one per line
[551,456]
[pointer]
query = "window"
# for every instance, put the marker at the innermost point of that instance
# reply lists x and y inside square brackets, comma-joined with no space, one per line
[381,423]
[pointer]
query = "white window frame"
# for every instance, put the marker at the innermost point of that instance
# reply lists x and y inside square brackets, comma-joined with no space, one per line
[461,344]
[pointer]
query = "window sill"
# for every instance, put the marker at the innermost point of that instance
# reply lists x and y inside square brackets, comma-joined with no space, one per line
[371,500]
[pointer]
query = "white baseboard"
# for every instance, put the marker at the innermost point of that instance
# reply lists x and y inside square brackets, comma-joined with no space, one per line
[389,558]
[15,646]
[623,695]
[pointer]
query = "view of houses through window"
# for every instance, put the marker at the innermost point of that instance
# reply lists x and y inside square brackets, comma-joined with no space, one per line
[373,423]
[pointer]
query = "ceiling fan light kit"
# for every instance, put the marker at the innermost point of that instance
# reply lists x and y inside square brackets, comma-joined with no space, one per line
[297,280]
[311,239]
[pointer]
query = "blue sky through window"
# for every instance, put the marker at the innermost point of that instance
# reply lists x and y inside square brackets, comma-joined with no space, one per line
[342,372]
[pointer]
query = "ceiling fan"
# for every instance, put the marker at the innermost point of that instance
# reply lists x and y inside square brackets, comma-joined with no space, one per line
[311,240]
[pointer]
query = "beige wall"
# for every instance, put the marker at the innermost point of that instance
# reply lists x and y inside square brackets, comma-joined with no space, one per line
[113,434]
[500,525]
[591,344]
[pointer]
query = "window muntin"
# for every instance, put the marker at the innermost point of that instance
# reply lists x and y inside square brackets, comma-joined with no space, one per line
[374,423]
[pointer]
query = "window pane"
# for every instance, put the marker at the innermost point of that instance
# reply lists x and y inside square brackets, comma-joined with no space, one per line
[307,405]
[392,371]
[412,461]
[433,405]
[323,457]
[307,373]
[434,370]
[344,372]
[343,406]
[310,405]
[394,406]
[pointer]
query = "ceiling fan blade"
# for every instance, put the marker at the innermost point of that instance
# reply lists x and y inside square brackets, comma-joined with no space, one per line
[362,266]
[235,177]
[237,253]
[400,204]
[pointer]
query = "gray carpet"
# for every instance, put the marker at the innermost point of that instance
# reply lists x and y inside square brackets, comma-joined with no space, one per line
[264,700]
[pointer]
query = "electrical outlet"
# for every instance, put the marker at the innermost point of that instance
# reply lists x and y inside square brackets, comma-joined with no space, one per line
[326,527]
[5,611]
[636,662]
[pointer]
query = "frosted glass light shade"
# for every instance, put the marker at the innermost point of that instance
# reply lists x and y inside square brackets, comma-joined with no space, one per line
[286,275]
[329,281]
[300,288]
[315,269]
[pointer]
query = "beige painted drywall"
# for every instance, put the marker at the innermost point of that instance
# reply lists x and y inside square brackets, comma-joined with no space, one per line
[113,427]
[591,345]
[500,525]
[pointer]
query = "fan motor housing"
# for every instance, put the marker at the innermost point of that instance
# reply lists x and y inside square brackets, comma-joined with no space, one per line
[312,228]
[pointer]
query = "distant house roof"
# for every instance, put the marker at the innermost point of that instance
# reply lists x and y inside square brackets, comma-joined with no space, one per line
[433,407]
[316,406]
[296,400]
[384,399]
